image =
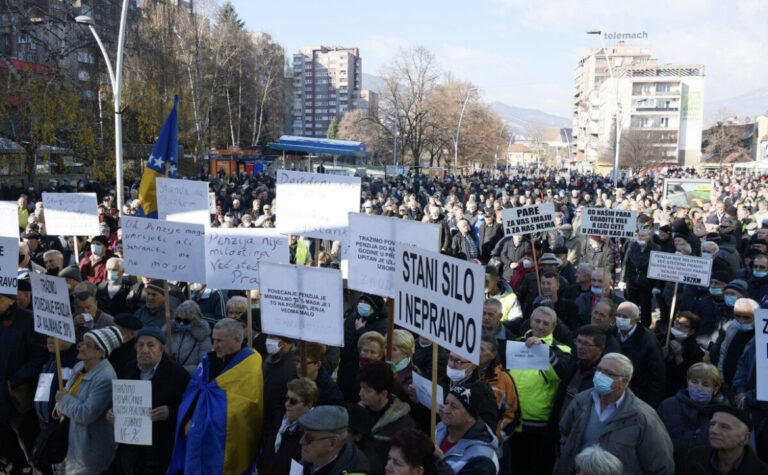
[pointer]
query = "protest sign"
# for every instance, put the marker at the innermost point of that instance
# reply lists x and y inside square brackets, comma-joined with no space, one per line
[687,192]
[185,201]
[761,358]
[9,219]
[232,255]
[440,298]
[302,302]
[316,205]
[211,202]
[423,388]
[608,222]
[71,214]
[132,406]
[529,219]
[371,251]
[681,269]
[164,249]
[9,246]
[520,356]
[50,307]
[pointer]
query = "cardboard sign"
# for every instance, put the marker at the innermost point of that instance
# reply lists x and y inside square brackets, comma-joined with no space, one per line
[132,405]
[683,269]
[316,205]
[371,250]
[232,255]
[71,214]
[529,219]
[616,223]
[302,302]
[761,358]
[520,356]
[164,249]
[50,307]
[440,298]
[423,388]
[184,201]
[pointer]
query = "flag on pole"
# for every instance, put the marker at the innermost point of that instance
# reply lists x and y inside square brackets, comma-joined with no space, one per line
[163,162]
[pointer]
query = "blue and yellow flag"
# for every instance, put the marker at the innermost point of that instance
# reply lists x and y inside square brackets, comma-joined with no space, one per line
[163,163]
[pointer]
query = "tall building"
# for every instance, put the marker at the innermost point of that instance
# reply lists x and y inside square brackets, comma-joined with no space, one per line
[327,82]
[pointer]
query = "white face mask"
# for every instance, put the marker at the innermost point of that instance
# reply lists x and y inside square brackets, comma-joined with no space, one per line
[678,333]
[273,346]
[623,324]
[455,375]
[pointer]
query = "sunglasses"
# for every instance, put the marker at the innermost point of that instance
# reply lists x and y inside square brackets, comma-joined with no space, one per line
[292,400]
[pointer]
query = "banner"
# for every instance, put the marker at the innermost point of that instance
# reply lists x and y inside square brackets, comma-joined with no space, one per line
[71,214]
[50,307]
[615,223]
[371,250]
[132,406]
[529,219]
[519,356]
[761,357]
[164,249]
[232,255]
[302,302]
[687,192]
[677,268]
[440,298]
[184,201]
[316,205]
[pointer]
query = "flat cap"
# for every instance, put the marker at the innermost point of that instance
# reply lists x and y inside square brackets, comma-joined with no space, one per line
[325,419]
[156,285]
[566,227]
[72,272]
[129,321]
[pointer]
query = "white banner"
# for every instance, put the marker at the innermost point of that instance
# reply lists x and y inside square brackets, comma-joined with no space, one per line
[184,201]
[608,222]
[232,255]
[132,406]
[164,249]
[302,302]
[520,356]
[761,357]
[9,219]
[440,298]
[371,251]
[50,307]
[316,205]
[676,268]
[529,219]
[71,214]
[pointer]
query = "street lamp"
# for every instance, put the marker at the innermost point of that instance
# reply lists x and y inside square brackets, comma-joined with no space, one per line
[616,124]
[116,81]
[458,130]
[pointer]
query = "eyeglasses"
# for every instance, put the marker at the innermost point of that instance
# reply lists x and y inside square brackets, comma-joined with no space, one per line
[182,321]
[759,267]
[585,344]
[457,361]
[293,401]
[311,440]
[609,374]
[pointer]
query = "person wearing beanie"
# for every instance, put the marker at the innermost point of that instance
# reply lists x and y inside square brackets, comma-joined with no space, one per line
[152,312]
[94,264]
[123,358]
[72,275]
[85,401]
[369,314]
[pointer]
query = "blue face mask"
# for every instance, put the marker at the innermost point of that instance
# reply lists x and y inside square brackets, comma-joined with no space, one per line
[759,274]
[598,291]
[602,383]
[715,292]
[730,300]
[699,395]
[364,309]
[182,327]
[743,327]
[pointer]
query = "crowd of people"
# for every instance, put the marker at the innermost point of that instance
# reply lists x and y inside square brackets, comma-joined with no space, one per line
[633,386]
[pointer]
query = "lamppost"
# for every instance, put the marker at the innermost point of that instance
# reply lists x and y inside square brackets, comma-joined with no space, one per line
[116,81]
[616,121]
[458,130]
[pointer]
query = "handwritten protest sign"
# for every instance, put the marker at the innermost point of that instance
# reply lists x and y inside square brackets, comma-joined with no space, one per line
[677,268]
[529,219]
[50,307]
[440,298]
[520,356]
[423,388]
[232,255]
[164,249]
[71,214]
[371,250]
[302,302]
[132,406]
[184,201]
[608,222]
[761,358]
[316,205]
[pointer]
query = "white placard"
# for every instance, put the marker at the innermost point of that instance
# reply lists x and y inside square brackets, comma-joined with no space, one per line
[423,388]
[616,223]
[316,205]
[232,255]
[529,219]
[371,250]
[440,298]
[132,405]
[164,249]
[211,203]
[761,357]
[9,219]
[50,306]
[9,264]
[302,302]
[676,268]
[43,391]
[520,356]
[184,201]
[71,214]
[296,468]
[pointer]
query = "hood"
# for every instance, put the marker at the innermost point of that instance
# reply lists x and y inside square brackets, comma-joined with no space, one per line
[397,410]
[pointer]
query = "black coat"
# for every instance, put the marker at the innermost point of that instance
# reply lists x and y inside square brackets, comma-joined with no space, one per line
[697,462]
[123,359]
[636,266]
[677,373]
[115,304]
[510,254]
[488,237]
[280,461]
[649,376]
[276,374]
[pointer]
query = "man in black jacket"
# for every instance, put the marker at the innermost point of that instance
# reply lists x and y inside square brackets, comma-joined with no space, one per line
[278,367]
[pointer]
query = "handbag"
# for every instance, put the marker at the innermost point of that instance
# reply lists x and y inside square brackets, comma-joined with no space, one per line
[51,444]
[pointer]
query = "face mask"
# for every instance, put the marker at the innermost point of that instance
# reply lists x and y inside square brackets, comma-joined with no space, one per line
[623,324]
[182,327]
[96,248]
[113,275]
[759,274]
[364,309]
[641,243]
[743,327]
[706,255]
[195,286]
[455,375]
[730,300]
[424,345]
[602,383]
[699,395]
[365,361]
[561,233]
[273,346]
[402,364]
[679,334]
[527,264]
[715,292]
[598,291]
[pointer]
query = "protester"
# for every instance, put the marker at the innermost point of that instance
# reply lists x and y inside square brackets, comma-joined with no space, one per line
[312,368]
[324,444]
[191,336]
[596,461]
[412,453]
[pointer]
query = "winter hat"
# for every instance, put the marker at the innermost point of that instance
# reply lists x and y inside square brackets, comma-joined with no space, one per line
[107,339]
[71,272]
[476,398]
[739,285]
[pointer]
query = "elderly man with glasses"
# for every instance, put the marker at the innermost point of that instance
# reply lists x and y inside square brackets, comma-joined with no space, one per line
[324,445]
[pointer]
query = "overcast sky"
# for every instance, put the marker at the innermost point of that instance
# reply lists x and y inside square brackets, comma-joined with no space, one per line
[524,52]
